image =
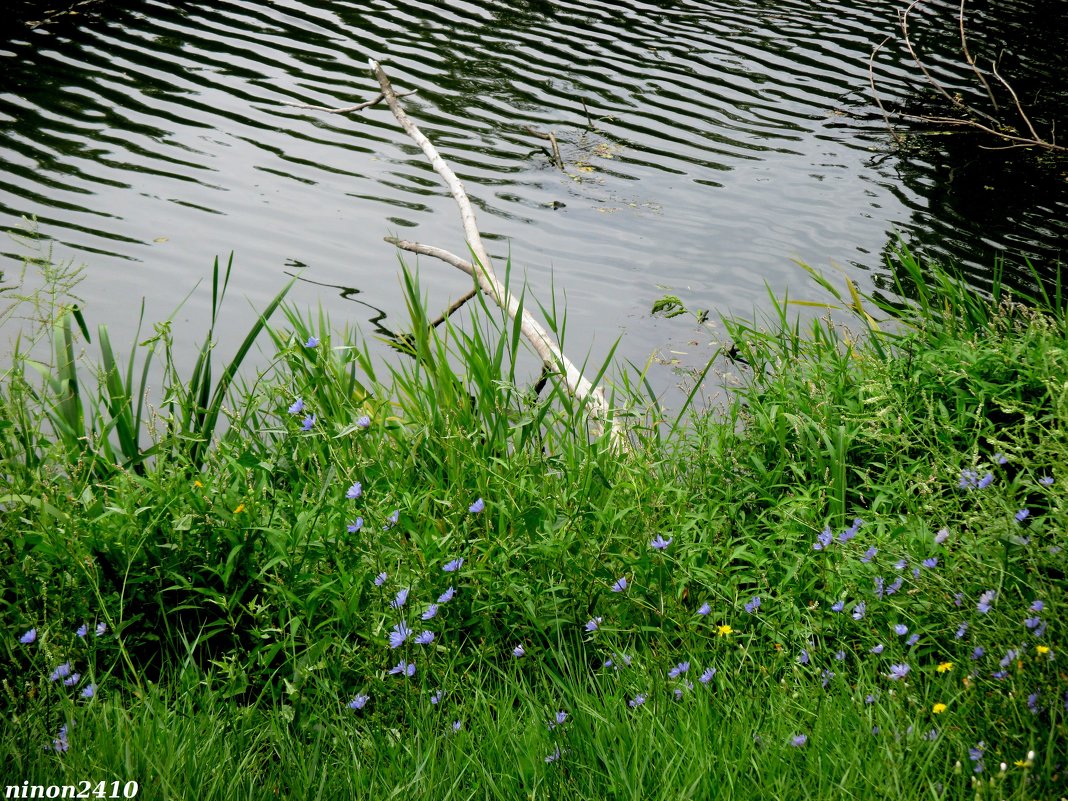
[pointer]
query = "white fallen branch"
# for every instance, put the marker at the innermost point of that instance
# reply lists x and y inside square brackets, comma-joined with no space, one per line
[482,271]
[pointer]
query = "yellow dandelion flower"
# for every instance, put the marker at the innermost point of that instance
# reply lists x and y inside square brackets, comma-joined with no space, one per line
[723,631]
[1042,649]
[197,484]
[945,667]
[1021,763]
[240,508]
[938,709]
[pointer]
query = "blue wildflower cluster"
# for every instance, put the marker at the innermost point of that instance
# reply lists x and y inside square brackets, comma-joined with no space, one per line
[67,673]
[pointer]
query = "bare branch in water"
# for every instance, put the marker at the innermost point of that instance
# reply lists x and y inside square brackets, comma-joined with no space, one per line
[971,117]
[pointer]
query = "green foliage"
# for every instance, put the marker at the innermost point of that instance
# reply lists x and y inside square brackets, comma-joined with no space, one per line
[238,582]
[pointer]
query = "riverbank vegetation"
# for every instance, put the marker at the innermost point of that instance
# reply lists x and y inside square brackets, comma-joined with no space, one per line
[333,579]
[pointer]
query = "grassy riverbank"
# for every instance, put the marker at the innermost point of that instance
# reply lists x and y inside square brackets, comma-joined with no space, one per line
[434,584]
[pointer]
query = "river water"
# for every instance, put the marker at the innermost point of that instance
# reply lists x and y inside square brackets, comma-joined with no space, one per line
[730,137]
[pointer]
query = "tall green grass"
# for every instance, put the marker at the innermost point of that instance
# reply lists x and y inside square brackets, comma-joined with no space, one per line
[250,593]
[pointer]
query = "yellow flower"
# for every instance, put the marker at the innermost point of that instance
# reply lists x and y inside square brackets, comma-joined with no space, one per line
[1042,649]
[198,484]
[1021,763]
[723,631]
[240,508]
[938,709]
[945,667]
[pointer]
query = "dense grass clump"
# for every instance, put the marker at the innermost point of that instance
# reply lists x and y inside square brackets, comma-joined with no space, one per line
[328,582]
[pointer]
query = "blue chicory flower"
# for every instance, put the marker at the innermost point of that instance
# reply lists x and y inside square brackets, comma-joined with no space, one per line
[978,652]
[477,507]
[1037,606]
[798,740]
[877,649]
[1022,515]
[391,521]
[454,565]
[313,342]
[659,543]
[82,631]
[72,679]
[356,525]
[89,691]
[985,600]
[593,624]
[985,481]
[803,657]
[1032,703]
[359,702]
[879,590]
[753,604]
[363,421]
[620,585]
[678,670]
[380,579]
[60,672]
[826,677]
[399,635]
[435,697]
[1033,622]
[706,677]
[636,701]
[930,563]
[941,536]
[297,407]
[430,612]
[101,628]
[1045,481]
[838,606]
[446,596]
[859,610]
[915,638]
[400,599]
[307,423]
[900,629]
[425,638]
[519,652]
[898,672]
[355,491]
[705,609]
[961,630]
[403,668]
[28,637]
[895,585]
[869,554]
[823,539]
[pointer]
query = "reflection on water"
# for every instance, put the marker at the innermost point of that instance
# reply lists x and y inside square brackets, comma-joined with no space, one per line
[729,138]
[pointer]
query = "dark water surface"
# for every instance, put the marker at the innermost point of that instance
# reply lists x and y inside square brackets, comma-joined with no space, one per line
[733,136]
